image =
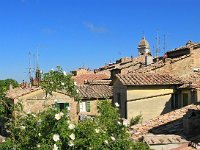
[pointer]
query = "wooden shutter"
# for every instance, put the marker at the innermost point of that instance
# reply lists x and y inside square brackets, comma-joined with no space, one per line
[88,106]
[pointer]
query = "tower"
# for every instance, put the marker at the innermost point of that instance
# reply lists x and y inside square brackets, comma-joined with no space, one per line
[143,47]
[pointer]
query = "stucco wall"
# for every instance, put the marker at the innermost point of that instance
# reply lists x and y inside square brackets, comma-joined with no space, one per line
[36,102]
[149,102]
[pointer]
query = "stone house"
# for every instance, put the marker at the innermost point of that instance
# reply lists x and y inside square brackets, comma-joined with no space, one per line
[34,100]
[149,94]
[90,96]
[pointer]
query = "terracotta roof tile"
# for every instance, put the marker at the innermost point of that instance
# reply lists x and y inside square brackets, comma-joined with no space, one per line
[169,123]
[17,92]
[95,91]
[81,79]
[148,79]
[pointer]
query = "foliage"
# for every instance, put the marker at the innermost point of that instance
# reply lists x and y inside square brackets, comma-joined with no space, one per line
[58,80]
[136,120]
[4,86]
[52,129]
[6,83]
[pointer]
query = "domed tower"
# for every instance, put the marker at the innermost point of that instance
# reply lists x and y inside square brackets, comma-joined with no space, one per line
[143,47]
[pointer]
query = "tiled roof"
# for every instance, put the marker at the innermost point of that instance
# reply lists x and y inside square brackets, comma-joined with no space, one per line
[98,82]
[81,79]
[17,92]
[95,91]
[152,139]
[148,79]
[169,123]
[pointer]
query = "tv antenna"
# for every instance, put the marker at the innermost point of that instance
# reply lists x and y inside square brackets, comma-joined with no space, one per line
[157,45]
[165,45]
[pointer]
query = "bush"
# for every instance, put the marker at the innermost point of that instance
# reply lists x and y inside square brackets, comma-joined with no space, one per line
[52,129]
[136,120]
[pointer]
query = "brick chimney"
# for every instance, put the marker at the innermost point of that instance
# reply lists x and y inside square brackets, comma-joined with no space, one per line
[191,122]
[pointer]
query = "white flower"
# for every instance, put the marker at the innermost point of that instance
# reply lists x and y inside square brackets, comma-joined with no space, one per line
[125,122]
[55,100]
[106,141]
[77,91]
[39,134]
[116,104]
[56,137]
[71,126]
[57,116]
[38,146]
[62,83]
[68,121]
[33,115]
[68,108]
[64,72]
[97,130]
[23,127]
[29,112]
[113,138]
[3,140]
[75,83]
[71,143]
[55,147]
[72,136]
[61,114]
[119,123]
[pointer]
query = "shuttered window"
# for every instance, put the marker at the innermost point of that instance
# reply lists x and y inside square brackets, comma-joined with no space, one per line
[84,106]
[61,106]
[88,106]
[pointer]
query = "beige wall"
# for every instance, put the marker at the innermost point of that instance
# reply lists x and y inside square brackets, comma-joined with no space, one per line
[36,102]
[149,102]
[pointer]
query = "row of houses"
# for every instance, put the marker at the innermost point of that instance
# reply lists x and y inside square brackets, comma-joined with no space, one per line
[141,86]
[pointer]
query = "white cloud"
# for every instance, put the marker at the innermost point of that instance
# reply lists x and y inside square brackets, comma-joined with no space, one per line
[94,28]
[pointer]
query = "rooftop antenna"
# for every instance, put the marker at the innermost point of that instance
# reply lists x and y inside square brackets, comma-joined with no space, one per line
[37,60]
[157,45]
[165,46]
[29,68]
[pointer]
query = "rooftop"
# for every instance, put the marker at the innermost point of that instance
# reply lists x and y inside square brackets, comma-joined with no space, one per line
[169,123]
[148,79]
[95,91]
[81,79]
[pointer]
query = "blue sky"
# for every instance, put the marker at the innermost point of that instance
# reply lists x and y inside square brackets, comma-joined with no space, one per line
[88,33]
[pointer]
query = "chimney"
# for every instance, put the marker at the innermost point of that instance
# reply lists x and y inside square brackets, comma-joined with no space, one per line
[191,122]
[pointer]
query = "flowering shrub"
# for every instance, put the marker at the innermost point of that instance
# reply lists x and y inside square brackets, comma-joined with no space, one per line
[52,129]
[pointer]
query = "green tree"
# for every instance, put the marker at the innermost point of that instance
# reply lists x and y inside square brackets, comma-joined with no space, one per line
[58,80]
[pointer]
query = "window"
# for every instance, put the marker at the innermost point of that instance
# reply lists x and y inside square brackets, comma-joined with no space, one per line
[174,101]
[61,106]
[85,106]
[185,99]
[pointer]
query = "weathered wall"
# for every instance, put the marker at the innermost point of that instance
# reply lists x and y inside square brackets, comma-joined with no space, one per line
[195,54]
[36,102]
[149,102]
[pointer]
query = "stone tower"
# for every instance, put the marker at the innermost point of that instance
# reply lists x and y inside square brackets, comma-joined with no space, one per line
[143,47]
